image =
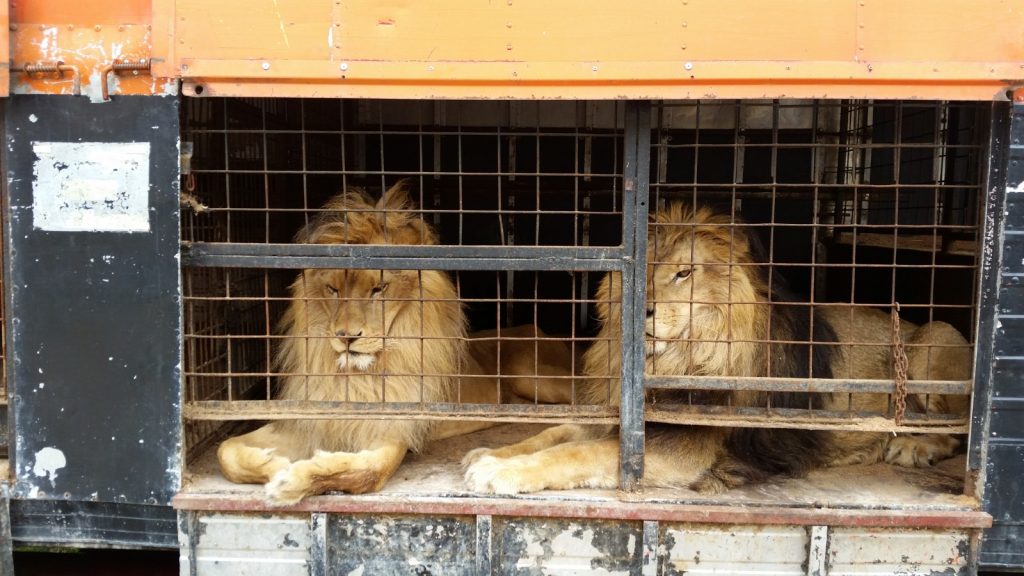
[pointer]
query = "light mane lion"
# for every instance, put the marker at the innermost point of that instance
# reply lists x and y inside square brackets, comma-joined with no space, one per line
[708,315]
[379,336]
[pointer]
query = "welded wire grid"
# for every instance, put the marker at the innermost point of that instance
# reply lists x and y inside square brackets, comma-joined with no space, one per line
[858,206]
[482,174]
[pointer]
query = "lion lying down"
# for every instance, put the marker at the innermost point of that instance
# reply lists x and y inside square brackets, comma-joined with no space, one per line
[707,317]
[346,329]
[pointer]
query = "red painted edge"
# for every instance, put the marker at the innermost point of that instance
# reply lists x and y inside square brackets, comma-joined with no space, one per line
[604,510]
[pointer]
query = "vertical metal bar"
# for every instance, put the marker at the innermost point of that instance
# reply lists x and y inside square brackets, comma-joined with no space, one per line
[1005,169]
[817,551]
[6,546]
[190,520]
[650,551]
[636,178]
[483,545]
[318,544]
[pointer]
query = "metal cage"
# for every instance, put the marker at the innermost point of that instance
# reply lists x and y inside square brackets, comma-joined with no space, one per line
[872,204]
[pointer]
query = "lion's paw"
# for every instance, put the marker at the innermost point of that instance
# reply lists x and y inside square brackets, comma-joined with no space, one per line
[473,456]
[920,451]
[492,475]
[287,487]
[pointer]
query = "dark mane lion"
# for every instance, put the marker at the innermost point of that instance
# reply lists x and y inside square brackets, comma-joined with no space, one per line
[712,312]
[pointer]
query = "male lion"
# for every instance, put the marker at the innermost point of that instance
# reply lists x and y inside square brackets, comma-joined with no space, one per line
[708,314]
[379,336]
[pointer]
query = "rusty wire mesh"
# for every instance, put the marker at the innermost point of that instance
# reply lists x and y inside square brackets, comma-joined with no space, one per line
[860,203]
[859,207]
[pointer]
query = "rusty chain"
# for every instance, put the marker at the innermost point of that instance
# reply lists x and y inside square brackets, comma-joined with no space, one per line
[900,364]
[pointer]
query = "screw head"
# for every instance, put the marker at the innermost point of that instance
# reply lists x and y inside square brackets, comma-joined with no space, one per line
[688,65]
[343,66]
[266,66]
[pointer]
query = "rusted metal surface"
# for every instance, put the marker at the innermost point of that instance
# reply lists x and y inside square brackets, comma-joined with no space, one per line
[120,66]
[546,546]
[89,38]
[523,50]
[886,551]
[58,69]
[621,510]
[401,545]
[285,543]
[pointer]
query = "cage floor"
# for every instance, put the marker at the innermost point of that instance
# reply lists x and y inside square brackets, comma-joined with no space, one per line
[436,474]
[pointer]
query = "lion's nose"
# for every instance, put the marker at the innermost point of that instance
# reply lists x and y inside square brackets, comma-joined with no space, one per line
[347,336]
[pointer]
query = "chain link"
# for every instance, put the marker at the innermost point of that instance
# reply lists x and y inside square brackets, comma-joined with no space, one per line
[900,364]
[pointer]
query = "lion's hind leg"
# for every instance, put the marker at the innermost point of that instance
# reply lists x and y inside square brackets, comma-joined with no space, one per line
[253,458]
[935,351]
[353,472]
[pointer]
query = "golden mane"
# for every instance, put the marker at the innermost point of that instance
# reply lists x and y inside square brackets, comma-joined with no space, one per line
[729,304]
[423,345]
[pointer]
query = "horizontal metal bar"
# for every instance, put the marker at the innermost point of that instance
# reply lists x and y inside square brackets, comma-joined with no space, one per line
[802,419]
[310,410]
[613,508]
[402,256]
[820,385]
[387,263]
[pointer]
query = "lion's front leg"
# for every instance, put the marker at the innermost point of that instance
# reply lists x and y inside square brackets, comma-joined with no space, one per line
[545,439]
[352,472]
[253,458]
[582,464]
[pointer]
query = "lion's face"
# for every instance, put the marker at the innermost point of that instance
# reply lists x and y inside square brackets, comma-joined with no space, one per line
[695,273]
[355,310]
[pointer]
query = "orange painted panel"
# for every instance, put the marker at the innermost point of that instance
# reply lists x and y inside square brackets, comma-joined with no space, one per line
[81,12]
[5,52]
[600,48]
[946,31]
[593,31]
[263,29]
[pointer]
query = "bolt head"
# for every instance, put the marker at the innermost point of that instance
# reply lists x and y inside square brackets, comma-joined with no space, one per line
[343,66]
[688,65]
[266,66]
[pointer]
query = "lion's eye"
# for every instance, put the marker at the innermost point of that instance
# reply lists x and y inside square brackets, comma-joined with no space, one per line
[332,290]
[683,274]
[376,291]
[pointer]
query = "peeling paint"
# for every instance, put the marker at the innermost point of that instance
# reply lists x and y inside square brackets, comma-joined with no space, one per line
[47,462]
[91,186]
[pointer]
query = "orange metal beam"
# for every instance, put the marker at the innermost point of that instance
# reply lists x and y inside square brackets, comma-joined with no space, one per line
[529,49]
[602,48]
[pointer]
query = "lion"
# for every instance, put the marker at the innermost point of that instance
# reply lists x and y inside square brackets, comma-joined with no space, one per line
[708,314]
[381,336]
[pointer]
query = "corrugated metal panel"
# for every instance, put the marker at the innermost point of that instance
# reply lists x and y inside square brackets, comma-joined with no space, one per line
[249,545]
[1002,441]
[568,548]
[861,551]
[365,545]
[703,549]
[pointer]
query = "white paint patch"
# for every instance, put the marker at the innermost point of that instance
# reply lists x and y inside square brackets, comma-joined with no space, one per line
[330,36]
[48,461]
[33,118]
[1019,188]
[91,186]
